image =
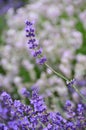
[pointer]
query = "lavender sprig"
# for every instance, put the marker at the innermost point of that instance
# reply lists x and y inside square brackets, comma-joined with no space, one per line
[36,52]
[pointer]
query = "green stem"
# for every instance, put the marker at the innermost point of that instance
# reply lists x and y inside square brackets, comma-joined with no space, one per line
[79,93]
[61,76]
[56,72]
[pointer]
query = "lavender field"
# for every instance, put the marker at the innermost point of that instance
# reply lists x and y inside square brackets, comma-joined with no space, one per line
[43,65]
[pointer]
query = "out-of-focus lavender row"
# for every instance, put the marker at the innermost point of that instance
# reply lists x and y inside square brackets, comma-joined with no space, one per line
[5,5]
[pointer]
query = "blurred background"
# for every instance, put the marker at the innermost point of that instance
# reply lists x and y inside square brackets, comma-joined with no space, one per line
[61,32]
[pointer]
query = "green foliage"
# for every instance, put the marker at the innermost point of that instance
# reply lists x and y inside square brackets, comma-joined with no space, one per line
[24,74]
[80,28]
[3,26]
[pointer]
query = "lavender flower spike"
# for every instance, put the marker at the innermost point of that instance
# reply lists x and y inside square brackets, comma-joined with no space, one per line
[36,51]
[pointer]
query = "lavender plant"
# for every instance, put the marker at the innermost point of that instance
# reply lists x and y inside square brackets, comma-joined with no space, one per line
[35,116]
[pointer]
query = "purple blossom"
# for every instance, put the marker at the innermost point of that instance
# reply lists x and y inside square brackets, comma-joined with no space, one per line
[35,116]
[36,51]
[37,101]
[24,92]
[69,109]
[70,126]
[70,83]
[81,82]
[41,60]
[7,98]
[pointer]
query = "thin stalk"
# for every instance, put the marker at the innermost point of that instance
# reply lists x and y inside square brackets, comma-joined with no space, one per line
[79,93]
[61,76]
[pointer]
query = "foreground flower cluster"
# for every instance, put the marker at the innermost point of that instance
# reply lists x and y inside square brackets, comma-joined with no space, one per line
[18,116]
